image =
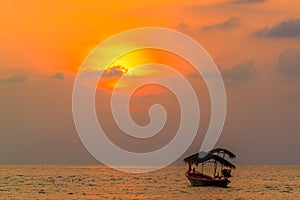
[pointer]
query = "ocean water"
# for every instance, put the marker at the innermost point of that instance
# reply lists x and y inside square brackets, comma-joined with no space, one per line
[100,182]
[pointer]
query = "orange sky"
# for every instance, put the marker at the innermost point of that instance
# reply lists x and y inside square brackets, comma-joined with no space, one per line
[56,36]
[255,45]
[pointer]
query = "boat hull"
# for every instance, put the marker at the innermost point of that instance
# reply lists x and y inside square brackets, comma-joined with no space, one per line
[202,180]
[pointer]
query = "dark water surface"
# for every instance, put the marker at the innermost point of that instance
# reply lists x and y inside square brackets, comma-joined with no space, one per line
[99,182]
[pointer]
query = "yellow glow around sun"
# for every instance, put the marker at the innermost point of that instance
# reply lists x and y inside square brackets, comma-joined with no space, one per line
[132,60]
[137,58]
[127,65]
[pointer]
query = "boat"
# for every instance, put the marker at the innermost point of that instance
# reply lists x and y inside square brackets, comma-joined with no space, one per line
[215,156]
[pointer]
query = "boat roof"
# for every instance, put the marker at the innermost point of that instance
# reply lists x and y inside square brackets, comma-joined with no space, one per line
[223,151]
[202,157]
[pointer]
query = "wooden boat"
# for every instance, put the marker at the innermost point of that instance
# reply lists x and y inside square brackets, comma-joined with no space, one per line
[199,178]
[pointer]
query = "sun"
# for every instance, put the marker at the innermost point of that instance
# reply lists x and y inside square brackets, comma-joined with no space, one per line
[128,66]
[116,71]
[111,76]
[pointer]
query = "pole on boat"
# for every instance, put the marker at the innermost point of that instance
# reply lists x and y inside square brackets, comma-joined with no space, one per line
[215,168]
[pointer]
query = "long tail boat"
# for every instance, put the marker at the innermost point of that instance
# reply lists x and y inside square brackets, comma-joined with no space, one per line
[215,156]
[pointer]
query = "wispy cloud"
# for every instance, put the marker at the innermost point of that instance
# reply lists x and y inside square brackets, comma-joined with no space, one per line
[296,96]
[14,79]
[146,96]
[115,71]
[230,23]
[235,75]
[206,75]
[193,75]
[240,73]
[182,26]
[246,1]
[289,62]
[58,75]
[288,28]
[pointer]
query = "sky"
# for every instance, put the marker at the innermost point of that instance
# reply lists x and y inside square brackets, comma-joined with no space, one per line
[254,43]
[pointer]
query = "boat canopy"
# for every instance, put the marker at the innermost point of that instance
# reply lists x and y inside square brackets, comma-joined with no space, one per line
[203,157]
[224,152]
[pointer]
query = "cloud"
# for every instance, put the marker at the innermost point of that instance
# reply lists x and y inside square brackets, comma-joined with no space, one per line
[237,74]
[58,75]
[14,79]
[182,26]
[296,96]
[246,1]
[240,73]
[230,23]
[288,28]
[289,63]
[115,71]
[206,75]
[193,75]
[146,96]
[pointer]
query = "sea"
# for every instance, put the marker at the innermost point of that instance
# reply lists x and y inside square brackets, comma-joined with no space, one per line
[101,182]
